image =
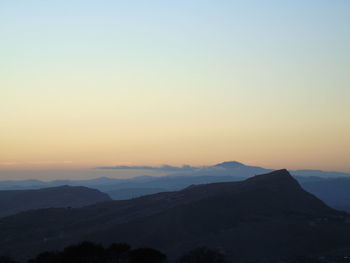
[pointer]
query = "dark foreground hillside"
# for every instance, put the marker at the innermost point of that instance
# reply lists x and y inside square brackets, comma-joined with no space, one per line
[263,219]
[14,201]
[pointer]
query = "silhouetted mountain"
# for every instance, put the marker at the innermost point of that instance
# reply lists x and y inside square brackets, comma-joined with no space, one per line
[230,165]
[14,201]
[181,177]
[264,218]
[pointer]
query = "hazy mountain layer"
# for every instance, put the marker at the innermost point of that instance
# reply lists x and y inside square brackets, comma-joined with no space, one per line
[331,187]
[264,218]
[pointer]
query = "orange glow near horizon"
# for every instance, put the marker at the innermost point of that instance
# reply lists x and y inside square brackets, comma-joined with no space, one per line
[174,83]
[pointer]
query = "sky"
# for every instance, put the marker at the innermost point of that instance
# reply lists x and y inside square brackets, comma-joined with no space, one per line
[93,83]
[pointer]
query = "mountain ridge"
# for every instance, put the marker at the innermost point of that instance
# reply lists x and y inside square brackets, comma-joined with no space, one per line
[15,201]
[325,185]
[218,214]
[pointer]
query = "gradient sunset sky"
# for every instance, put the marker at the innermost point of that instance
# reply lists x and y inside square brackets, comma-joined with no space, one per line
[90,83]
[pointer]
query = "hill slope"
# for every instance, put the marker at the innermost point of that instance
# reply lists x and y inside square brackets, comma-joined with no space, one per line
[264,218]
[14,201]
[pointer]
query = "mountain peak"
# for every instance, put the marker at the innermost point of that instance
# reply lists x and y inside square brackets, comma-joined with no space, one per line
[277,173]
[278,177]
[260,209]
[230,165]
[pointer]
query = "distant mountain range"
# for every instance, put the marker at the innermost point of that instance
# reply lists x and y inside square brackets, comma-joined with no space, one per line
[234,167]
[331,187]
[14,201]
[266,218]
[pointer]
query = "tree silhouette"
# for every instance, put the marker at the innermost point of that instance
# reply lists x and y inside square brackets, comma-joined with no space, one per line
[85,252]
[88,252]
[146,255]
[117,252]
[4,259]
[53,257]
[202,255]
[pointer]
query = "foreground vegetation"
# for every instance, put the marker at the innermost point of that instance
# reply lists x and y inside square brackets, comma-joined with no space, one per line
[88,252]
